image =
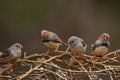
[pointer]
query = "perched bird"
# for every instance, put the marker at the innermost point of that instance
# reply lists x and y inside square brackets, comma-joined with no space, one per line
[51,40]
[117,53]
[100,47]
[77,45]
[11,55]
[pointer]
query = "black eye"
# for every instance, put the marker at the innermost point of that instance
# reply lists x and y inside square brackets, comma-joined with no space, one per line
[118,52]
[17,46]
[72,41]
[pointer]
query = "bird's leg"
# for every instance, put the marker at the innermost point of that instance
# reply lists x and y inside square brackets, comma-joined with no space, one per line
[73,54]
[11,67]
[9,64]
[94,57]
[57,48]
[81,54]
[48,51]
[105,57]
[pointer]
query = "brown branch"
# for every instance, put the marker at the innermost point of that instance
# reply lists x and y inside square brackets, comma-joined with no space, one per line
[111,78]
[35,55]
[37,67]
[53,73]
[80,65]
[8,77]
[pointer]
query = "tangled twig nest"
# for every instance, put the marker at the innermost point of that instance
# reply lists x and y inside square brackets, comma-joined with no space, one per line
[61,65]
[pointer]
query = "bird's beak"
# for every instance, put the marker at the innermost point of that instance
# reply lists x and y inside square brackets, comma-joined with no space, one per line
[108,36]
[116,54]
[42,34]
[20,46]
[69,42]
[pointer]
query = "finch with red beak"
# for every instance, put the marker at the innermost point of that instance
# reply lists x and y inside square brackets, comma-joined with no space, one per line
[12,54]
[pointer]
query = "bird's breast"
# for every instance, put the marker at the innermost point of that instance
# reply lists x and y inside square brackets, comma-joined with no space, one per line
[78,50]
[101,50]
[51,44]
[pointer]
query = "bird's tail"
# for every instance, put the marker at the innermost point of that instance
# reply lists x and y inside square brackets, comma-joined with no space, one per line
[64,44]
[1,54]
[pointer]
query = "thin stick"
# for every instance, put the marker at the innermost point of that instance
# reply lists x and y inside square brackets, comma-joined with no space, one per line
[36,67]
[53,73]
[81,66]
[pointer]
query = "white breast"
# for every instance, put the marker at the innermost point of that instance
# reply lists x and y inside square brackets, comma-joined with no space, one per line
[78,50]
[52,44]
[101,51]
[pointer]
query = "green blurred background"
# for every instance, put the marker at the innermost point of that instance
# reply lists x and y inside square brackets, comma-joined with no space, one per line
[22,20]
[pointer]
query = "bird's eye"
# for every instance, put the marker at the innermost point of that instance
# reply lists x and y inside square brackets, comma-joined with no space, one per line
[17,46]
[118,52]
[72,41]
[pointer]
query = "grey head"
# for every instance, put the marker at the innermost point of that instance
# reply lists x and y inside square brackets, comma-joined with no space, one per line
[118,51]
[104,36]
[76,42]
[15,48]
[45,33]
[42,31]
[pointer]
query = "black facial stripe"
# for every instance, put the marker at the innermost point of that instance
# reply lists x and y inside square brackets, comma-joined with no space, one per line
[73,40]
[45,40]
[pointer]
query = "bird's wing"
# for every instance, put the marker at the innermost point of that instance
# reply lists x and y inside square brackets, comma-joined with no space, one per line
[1,54]
[56,39]
[6,54]
[83,42]
[96,44]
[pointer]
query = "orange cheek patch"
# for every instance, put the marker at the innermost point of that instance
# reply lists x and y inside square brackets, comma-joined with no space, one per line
[47,34]
[102,38]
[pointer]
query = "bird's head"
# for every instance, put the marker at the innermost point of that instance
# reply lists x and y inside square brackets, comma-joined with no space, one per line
[73,40]
[16,46]
[104,36]
[45,33]
[117,53]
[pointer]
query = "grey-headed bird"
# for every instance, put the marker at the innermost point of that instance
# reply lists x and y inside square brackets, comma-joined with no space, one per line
[77,45]
[51,40]
[12,54]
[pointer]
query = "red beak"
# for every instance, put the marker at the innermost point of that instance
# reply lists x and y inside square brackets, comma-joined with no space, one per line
[20,46]
[108,36]
[69,42]
[42,34]
[115,54]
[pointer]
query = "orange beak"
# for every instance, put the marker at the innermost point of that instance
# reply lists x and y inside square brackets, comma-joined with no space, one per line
[116,54]
[42,34]
[20,46]
[69,42]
